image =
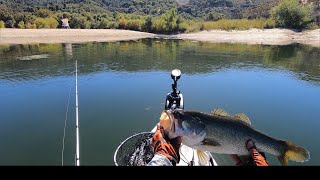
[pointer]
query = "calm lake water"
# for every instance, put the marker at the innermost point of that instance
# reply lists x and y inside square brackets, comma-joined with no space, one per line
[122,89]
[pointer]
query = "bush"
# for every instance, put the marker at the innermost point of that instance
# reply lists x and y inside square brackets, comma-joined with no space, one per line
[269,23]
[29,25]
[41,23]
[191,26]
[44,13]
[113,25]
[183,26]
[46,23]
[135,24]
[239,24]
[166,23]
[78,21]
[147,24]
[159,25]
[52,22]
[2,24]
[21,25]
[123,23]
[104,24]
[10,23]
[66,15]
[290,14]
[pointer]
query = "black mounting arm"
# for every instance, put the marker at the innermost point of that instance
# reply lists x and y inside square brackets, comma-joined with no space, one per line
[174,99]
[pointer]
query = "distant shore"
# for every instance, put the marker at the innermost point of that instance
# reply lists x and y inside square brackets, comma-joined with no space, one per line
[28,36]
[257,36]
[252,36]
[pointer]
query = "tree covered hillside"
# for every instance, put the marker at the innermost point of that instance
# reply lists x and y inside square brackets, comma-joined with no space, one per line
[204,9]
[160,16]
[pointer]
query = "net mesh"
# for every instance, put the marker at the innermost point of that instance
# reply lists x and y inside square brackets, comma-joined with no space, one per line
[135,150]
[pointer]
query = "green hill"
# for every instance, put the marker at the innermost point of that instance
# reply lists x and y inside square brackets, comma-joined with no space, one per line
[188,9]
[162,16]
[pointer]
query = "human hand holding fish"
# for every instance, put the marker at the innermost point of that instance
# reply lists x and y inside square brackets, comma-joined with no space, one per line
[165,146]
[255,158]
[218,132]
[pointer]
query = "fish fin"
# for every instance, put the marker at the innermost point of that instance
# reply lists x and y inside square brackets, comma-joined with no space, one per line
[242,117]
[203,157]
[219,112]
[209,142]
[294,153]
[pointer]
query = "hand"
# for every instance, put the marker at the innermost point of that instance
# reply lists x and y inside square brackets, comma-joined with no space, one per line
[250,144]
[165,146]
[258,158]
[244,159]
[255,158]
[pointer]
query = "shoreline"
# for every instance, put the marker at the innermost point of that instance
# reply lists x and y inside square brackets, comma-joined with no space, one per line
[257,36]
[252,36]
[31,36]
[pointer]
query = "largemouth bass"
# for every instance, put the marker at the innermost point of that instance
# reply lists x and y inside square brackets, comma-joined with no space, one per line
[221,133]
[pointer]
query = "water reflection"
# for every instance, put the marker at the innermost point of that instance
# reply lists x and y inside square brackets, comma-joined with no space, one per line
[68,50]
[146,55]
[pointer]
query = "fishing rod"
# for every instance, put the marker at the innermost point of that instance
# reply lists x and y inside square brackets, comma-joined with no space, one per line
[77,158]
[77,122]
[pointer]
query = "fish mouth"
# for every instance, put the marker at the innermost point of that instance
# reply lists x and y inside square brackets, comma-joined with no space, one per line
[171,124]
[168,121]
[171,119]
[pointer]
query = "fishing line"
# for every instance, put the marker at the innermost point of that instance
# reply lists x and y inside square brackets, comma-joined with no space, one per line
[65,124]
